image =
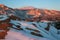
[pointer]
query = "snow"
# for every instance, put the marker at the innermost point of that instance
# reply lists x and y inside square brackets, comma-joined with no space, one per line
[3,17]
[16,35]
[51,34]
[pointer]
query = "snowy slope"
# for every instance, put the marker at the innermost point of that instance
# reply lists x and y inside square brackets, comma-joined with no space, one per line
[28,27]
[22,30]
[19,35]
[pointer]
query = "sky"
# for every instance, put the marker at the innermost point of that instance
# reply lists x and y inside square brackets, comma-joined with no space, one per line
[42,4]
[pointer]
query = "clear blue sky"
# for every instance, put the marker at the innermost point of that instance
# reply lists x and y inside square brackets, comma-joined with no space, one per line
[45,4]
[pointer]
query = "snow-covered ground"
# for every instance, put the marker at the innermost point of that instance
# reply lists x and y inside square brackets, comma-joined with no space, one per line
[31,31]
[3,17]
[25,34]
[19,35]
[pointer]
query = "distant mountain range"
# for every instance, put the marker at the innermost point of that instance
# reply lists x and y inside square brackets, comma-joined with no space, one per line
[31,13]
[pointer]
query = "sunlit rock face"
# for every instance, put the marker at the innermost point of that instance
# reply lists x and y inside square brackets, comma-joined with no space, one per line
[6,10]
[43,14]
[31,13]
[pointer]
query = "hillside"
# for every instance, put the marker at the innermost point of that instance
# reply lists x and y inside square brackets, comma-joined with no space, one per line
[29,24]
[9,27]
[31,13]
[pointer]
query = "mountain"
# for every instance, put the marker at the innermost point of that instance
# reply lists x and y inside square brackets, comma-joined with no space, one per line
[31,13]
[43,14]
[5,10]
[29,24]
[36,14]
[27,8]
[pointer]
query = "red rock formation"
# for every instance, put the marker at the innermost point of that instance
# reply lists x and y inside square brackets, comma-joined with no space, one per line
[4,27]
